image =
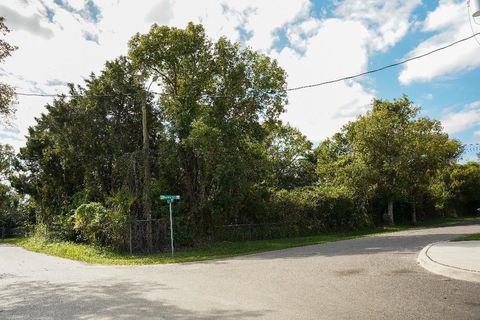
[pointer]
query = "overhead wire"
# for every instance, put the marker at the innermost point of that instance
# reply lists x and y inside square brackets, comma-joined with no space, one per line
[303,86]
[387,66]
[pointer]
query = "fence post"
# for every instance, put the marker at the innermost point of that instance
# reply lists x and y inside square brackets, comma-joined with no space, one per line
[130,238]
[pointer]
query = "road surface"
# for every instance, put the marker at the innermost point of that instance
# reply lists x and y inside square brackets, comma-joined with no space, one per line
[368,278]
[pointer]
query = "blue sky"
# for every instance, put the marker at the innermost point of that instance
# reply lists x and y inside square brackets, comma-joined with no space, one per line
[313,40]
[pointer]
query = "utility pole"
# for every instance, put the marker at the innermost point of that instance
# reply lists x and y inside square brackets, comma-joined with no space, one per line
[147,202]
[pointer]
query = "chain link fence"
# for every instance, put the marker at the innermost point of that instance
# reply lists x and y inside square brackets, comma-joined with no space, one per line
[265,231]
[137,236]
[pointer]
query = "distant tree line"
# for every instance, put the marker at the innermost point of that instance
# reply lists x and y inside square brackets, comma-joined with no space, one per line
[98,159]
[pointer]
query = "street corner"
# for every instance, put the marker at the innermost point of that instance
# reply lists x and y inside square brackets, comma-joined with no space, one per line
[458,260]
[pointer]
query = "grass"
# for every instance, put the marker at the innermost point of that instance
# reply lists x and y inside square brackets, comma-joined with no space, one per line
[218,250]
[472,237]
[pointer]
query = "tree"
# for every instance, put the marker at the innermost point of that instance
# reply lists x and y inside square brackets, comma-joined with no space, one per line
[378,139]
[215,97]
[463,183]
[429,151]
[7,93]
[86,148]
[290,155]
[9,200]
[387,155]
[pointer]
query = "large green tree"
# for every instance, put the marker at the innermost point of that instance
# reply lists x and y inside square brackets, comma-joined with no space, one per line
[388,154]
[462,186]
[429,151]
[85,148]
[215,97]
[10,213]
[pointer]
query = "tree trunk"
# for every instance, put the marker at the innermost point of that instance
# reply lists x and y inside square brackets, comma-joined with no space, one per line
[414,213]
[390,213]
[147,203]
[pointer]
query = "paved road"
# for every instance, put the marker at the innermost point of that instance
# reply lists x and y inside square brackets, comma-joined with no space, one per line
[368,278]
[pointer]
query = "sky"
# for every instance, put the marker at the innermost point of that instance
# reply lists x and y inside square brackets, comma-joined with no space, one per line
[63,41]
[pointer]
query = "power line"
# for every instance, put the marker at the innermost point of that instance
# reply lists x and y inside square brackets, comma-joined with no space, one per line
[303,86]
[385,67]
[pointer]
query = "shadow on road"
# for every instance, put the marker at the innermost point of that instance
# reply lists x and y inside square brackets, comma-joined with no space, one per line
[44,300]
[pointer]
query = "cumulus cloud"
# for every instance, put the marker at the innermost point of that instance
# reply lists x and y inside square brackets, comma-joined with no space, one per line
[31,24]
[87,9]
[427,96]
[463,120]
[317,47]
[389,21]
[160,13]
[448,23]
[321,111]
[90,37]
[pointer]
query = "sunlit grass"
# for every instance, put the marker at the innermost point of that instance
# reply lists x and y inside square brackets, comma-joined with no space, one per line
[472,237]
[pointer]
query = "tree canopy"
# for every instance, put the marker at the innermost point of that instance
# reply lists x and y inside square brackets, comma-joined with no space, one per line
[389,154]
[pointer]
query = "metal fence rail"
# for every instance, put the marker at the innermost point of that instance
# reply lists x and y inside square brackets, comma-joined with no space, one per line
[137,236]
[264,231]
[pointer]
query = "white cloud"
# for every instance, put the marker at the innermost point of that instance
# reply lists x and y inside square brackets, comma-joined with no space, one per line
[463,120]
[474,105]
[477,133]
[318,48]
[427,96]
[389,21]
[321,111]
[31,24]
[161,13]
[448,22]
[76,4]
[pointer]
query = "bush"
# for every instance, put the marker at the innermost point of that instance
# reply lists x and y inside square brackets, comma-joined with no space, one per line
[99,226]
[315,209]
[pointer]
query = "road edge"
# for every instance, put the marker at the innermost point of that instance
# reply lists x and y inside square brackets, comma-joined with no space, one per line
[425,261]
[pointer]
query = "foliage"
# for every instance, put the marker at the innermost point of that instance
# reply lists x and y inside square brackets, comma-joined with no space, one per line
[387,155]
[463,185]
[15,210]
[85,148]
[311,210]
[7,93]
[290,157]
[215,97]
[100,226]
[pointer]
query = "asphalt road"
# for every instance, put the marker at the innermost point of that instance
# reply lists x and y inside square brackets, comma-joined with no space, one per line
[368,278]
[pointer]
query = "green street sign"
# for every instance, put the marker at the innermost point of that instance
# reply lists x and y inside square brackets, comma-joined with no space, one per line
[169,197]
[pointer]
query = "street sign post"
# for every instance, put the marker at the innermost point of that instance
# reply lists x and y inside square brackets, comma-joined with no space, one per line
[170,199]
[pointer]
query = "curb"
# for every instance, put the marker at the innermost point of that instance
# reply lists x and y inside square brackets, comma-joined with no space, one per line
[445,270]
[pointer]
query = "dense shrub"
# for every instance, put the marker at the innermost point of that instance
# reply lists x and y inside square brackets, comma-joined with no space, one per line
[98,225]
[317,209]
